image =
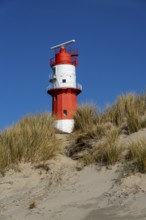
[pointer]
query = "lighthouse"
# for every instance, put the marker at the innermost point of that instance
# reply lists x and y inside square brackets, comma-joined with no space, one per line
[63,86]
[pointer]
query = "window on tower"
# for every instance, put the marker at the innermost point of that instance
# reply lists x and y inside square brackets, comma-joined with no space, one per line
[65,112]
[64,80]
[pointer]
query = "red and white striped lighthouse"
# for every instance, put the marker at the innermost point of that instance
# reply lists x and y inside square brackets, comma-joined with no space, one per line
[63,86]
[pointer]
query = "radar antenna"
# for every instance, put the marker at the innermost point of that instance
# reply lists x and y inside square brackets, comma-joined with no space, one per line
[63,44]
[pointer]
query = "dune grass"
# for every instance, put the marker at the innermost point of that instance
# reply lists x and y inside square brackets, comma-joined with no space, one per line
[95,138]
[87,129]
[128,108]
[137,154]
[86,116]
[96,135]
[31,139]
[108,151]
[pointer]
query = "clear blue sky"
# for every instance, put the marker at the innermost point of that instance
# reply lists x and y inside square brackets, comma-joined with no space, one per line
[110,36]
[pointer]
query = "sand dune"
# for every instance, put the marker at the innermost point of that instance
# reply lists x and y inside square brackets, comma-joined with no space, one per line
[57,190]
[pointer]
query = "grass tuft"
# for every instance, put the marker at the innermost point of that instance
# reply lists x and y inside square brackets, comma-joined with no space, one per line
[109,151]
[85,118]
[137,154]
[31,139]
[127,109]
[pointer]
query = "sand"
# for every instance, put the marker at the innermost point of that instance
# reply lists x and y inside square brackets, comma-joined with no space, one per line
[60,191]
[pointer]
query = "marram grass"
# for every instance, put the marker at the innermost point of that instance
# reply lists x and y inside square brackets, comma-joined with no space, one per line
[129,109]
[31,139]
[85,117]
[137,154]
[95,137]
[108,151]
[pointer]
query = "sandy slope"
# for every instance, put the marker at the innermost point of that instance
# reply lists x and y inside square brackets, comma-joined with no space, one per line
[62,193]
[70,198]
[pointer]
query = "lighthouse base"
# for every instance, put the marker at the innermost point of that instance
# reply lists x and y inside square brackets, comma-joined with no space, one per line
[66,125]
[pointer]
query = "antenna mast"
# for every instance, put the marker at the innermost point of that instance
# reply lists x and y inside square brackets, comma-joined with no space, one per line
[63,44]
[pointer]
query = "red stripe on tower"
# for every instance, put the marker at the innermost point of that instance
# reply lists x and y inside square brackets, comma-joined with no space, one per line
[63,87]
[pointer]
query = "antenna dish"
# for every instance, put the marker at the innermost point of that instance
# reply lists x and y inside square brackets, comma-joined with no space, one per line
[63,44]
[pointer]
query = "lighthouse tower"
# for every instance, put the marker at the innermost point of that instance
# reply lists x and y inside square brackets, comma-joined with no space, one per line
[63,86]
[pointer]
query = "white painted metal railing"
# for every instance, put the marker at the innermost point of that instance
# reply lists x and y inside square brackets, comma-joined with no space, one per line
[53,86]
[52,77]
